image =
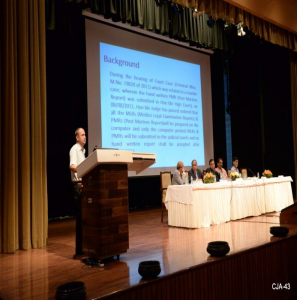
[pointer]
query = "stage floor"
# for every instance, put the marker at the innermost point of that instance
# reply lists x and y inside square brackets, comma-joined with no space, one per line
[35,274]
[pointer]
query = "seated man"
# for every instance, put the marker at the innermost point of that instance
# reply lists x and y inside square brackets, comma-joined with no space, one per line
[212,170]
[195,173]
[179,176]
[235,165]
[220,169]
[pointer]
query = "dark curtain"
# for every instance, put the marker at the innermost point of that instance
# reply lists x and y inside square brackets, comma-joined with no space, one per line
[218,70]
[293,77]
[261,115]
[66,101]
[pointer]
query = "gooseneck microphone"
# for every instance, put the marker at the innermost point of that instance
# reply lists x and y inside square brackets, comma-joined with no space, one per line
[252,172]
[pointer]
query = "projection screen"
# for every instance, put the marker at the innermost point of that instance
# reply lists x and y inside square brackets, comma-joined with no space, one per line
[148,95]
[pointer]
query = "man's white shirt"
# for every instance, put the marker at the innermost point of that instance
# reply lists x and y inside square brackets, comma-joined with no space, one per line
[233,169]
[77,155]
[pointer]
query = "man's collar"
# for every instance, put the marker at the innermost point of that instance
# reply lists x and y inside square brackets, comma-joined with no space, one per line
[81,147]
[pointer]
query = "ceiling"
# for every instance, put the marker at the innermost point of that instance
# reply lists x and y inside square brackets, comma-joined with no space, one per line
[282,13]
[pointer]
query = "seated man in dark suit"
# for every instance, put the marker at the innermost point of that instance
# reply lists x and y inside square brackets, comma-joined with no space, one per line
[212,170]
[179,176]
[195,173]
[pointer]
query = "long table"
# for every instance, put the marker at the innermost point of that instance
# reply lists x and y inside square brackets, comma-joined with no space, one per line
[201,205]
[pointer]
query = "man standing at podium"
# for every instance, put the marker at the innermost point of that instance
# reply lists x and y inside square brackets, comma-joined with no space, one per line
[77,155]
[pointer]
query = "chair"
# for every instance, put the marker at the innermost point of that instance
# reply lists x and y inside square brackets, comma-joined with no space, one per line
[165,178]
[243,172]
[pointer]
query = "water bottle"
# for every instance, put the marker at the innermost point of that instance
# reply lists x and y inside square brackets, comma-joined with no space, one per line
[215,178]
[186,181]
[191,179]
[221,176]
[258,175]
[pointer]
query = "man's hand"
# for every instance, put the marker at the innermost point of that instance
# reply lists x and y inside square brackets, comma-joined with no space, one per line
[73,168]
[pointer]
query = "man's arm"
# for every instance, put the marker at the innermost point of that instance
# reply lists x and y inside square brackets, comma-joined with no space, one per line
[225,175]
[176,178]
[73,160]
[191,175]
[184,176]
[217,174]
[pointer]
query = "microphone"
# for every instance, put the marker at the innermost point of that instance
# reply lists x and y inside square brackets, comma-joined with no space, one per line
[97,148]
[252,172]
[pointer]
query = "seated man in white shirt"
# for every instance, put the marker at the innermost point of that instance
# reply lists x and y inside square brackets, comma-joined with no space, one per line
[235,165]
[220,169]
[179,176]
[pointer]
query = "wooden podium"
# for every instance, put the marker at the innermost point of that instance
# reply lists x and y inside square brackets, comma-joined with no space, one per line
[105,204]
[289,215]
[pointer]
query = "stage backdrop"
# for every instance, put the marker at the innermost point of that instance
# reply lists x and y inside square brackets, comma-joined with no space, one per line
[67,109]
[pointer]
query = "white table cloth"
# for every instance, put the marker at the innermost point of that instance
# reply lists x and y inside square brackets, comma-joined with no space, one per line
[200,205]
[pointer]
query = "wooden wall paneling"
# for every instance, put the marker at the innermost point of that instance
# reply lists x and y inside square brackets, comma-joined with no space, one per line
[247,275]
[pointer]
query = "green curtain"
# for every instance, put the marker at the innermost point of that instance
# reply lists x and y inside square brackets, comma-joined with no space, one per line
[169,19]
[220,9]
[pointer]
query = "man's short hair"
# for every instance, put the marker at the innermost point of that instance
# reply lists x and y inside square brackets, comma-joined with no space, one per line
[178,166]
[235,158]
[218,160]
[194,160]
[77,130]
[210,161]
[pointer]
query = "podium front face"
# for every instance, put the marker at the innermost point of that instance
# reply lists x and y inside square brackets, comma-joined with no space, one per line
[105,211]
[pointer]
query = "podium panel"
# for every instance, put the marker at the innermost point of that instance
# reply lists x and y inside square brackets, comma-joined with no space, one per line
[105,211]
[105,228]
[289,215]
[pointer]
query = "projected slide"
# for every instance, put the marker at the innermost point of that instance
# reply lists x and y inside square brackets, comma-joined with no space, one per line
[150,103]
